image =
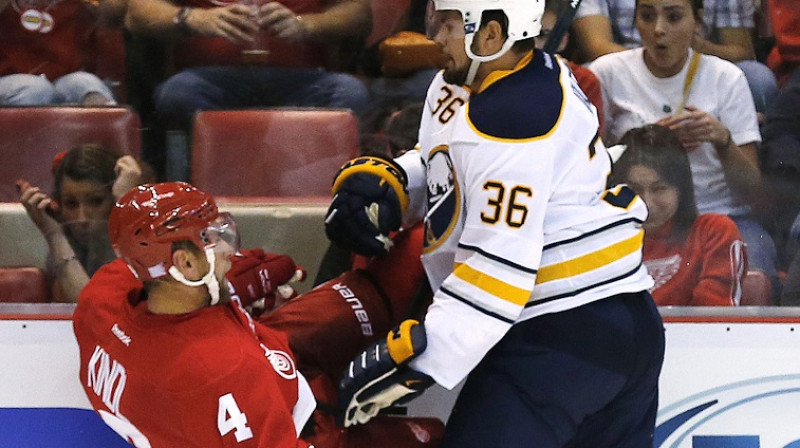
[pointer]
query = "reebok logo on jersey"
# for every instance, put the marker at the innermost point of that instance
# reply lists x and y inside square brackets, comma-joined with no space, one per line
[121,335]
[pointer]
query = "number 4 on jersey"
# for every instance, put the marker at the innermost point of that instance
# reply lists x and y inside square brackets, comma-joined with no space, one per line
[229,417]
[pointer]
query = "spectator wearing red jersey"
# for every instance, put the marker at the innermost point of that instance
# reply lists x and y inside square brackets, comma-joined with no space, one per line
[694,259]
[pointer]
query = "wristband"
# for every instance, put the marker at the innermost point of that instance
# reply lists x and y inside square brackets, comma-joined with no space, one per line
[180,20]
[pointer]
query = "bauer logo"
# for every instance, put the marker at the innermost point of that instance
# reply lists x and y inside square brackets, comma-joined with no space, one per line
[756,413]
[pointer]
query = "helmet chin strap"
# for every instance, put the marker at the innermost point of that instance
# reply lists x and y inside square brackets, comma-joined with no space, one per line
[209,279]
[476,60]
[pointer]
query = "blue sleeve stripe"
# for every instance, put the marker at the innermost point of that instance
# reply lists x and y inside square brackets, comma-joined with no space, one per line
[473,305]
[592,233]
[575,292]
[498,259]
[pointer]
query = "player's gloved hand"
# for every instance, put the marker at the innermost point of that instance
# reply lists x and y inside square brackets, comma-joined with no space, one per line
[380,377]
[369,199]
[256,275]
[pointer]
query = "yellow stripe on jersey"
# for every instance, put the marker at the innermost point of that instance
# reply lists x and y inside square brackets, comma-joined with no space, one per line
[590,261]
[491,285]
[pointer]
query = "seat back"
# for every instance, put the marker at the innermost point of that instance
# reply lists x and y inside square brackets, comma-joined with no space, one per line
[386,17]
[31,136]
[756,289]
[271,152]
[23,284]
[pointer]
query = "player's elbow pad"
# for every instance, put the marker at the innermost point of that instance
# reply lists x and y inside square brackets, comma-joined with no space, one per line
[370,196]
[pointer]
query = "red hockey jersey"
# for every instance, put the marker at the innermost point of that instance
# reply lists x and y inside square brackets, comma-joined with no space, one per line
[706,269]
[209,378]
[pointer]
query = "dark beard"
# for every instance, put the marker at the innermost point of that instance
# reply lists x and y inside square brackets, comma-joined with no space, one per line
[456,77]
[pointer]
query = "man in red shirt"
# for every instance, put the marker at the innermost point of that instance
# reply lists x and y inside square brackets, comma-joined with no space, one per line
[43,52]
[176,361]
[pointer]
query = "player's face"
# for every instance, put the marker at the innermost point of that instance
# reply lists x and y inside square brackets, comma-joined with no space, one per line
[662,198]
[667,28]
[223,235]
[448,33]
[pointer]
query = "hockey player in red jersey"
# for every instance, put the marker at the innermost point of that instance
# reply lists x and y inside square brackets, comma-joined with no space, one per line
[170,358]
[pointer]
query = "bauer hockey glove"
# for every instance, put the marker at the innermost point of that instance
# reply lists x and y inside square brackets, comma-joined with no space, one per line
[369,199]
[380,377]
[256,275]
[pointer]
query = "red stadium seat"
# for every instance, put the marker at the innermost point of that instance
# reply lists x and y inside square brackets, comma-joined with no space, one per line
[23,284]
[31,136]
[386,17]
[756,289]
[271,152]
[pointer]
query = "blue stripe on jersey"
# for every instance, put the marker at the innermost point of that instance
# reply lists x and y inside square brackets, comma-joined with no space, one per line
[498,259]
[482,310]
[591,233]
[575,292]
[522,105]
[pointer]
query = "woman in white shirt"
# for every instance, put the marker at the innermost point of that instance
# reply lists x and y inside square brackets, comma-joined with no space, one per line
[704,99]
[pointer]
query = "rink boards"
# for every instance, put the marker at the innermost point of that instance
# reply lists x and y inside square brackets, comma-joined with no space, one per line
[731,379]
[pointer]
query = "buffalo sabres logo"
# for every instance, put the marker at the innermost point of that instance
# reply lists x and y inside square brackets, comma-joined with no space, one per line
[443,198]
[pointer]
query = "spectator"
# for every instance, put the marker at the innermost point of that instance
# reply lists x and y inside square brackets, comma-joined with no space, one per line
[184,320]
[262,54]
[723,28]
[586,79]
[785,55]
[694,259]
[705,99]
[781,166]
[73,221]
[42,52]
[401,66]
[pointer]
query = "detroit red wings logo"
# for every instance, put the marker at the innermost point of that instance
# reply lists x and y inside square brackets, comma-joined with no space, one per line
[663,269]
[281,362]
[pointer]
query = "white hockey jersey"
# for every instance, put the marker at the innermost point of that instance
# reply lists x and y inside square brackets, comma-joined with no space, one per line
[518,223]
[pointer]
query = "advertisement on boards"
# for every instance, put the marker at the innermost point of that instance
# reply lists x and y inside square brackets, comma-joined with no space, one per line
[724,385]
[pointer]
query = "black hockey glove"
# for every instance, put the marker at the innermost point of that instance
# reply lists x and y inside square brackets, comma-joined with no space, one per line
[380,377]
[369,199]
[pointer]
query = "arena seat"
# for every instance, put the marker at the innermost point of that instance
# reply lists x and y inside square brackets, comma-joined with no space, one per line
[386,19]
[31,136]
[23,284]
[756,289]
[271,152]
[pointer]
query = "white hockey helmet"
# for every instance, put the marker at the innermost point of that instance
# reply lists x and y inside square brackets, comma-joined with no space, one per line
[524,20]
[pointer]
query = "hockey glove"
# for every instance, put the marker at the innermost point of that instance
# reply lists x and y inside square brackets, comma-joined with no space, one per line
[380,377]
[256,275]
[369,199]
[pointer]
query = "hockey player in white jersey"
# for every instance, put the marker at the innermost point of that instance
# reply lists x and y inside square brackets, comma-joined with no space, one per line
[540,295]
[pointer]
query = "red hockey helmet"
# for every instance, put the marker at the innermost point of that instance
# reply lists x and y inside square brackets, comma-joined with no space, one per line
[148,219]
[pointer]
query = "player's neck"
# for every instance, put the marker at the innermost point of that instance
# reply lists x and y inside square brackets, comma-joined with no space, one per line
[506,62]
[176,298]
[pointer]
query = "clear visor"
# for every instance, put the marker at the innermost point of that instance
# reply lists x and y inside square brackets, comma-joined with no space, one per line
[223,229]
[449,21]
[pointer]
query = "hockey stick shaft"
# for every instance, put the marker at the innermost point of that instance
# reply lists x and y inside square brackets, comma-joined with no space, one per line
[561,27]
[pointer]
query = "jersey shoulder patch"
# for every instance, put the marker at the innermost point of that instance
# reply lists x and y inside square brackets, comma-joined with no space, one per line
[524,104]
